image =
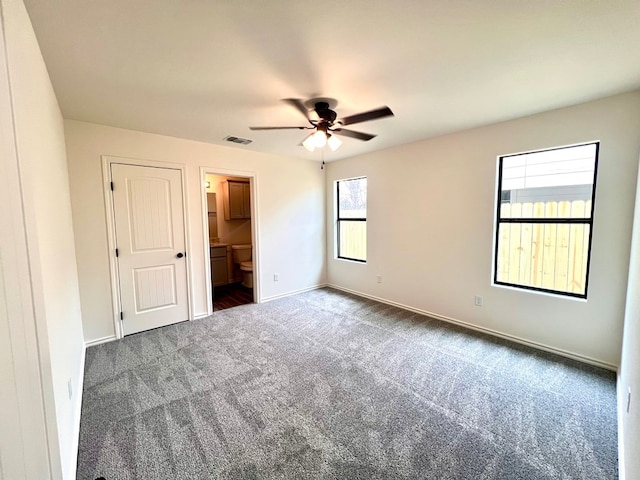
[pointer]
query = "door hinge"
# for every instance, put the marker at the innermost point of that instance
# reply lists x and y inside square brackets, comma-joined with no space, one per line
[117,253]
[121,315]
[112,186]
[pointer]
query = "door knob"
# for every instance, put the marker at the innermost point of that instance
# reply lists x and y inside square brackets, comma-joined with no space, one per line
[180,255]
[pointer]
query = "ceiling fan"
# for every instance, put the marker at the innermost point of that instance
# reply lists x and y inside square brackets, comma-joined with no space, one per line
[326,124]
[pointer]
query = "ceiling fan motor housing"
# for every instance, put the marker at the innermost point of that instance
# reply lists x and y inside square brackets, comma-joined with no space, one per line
[325,113]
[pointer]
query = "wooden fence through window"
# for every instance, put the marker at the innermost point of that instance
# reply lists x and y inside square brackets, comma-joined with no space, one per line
[544,255]
[353,239]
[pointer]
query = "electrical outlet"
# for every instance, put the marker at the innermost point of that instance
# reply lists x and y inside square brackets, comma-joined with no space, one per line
[379,278]
[478,301]
[276,277]
[70,388]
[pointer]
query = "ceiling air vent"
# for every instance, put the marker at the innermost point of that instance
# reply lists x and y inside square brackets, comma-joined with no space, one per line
[242,141]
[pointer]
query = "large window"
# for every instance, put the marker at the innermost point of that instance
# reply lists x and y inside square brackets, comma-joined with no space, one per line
[544,219]
[352,219]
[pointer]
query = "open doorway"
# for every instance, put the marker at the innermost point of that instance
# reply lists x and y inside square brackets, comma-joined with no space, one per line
[231,239]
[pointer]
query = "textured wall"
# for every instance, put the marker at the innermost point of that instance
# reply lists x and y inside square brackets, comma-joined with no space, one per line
[629,377]
[431,227]
[44,184]
[289,202]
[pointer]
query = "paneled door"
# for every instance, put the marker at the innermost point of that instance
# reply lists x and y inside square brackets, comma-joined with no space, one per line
[150,242]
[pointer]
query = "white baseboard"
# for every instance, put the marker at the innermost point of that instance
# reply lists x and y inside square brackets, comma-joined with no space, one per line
[78,412]
[294,292]
[621,404]
[489,331]
[98,341]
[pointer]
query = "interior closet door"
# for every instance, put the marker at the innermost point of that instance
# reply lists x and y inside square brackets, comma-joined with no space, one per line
[150,237]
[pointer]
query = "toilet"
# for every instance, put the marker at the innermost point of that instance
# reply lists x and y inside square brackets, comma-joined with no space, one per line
[242,258]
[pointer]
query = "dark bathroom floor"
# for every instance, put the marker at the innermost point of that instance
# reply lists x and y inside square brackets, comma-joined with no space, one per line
[231,295]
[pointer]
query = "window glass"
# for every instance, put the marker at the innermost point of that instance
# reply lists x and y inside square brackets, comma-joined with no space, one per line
[547,184]
[352,219]
[353,198]
[353,240]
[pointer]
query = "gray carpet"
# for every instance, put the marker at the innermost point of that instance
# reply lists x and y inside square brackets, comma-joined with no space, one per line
[326,385]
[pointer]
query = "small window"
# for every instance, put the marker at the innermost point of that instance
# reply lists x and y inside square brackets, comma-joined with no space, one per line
[352,219]
[544,219]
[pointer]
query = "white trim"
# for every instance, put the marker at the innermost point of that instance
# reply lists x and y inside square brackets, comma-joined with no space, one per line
[78,411]
[107,160]
[187,238]
[114,276]
[100,341]
[202,315]
[621,404]
[255,228]
[495,333]
[205,242]
[294,292]
[621,401]
[255,239]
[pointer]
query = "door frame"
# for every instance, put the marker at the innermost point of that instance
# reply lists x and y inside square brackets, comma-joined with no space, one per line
[255,233]
[114,274]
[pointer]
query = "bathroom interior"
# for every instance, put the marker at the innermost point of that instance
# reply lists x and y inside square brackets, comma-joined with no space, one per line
[230,247]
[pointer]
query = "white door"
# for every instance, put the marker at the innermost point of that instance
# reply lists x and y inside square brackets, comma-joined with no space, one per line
[150,241]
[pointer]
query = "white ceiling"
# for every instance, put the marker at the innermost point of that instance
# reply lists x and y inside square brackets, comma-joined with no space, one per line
[203,70]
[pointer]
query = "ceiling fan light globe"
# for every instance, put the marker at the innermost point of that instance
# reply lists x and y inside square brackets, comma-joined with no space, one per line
[334,143]
[309,143]
[319,139]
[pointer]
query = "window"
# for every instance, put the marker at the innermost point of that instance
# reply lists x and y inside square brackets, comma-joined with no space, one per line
[352,219]
[544,219]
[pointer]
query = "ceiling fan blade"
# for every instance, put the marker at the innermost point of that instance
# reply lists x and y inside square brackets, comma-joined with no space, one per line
[366,116]
[277,128]
[298,105]
[353,134]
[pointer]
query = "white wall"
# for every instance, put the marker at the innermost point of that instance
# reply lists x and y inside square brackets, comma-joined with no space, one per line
[52,314]
[629,374]
[430,227]
[24,449]
[289,201]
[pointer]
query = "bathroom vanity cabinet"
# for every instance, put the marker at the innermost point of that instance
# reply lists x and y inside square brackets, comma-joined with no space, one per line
[237,200]
[219,263]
